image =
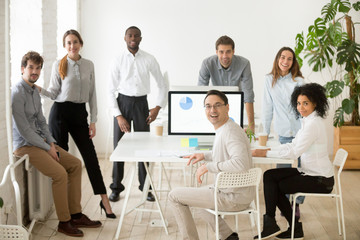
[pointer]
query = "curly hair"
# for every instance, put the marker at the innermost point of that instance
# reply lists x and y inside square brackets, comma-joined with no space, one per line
[32,56]
[315,93]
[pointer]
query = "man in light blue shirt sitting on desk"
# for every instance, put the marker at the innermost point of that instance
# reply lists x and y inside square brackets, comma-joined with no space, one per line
[227,69]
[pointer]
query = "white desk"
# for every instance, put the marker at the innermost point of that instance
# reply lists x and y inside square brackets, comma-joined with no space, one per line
[146,147]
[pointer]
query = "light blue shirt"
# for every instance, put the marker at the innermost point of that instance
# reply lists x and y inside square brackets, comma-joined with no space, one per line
[276,104]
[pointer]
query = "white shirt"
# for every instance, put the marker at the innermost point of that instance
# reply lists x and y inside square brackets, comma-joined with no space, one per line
[311,144]
[276,104]
[78,86]
[130,76]
[231,153]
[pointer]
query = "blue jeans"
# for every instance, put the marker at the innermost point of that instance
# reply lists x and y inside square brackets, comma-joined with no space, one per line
[283,140]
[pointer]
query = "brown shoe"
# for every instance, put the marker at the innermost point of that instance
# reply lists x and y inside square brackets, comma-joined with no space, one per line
[69,229]
[85,222]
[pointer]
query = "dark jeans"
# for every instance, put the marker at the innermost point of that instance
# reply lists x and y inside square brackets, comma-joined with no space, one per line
[281,181]
[69,117]
[134,109]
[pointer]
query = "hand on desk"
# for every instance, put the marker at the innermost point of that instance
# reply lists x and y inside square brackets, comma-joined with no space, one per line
[194,158]
[259,152]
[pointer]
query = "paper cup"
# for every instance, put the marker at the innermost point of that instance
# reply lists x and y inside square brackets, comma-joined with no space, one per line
[263,139]
[159,130]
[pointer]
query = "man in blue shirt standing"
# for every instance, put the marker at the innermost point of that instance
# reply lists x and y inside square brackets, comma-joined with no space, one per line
[31,136]
[227,69]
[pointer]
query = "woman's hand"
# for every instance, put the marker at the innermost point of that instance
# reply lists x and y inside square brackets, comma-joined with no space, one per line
[194,158]
[92,130]
[38,87]
[259,152]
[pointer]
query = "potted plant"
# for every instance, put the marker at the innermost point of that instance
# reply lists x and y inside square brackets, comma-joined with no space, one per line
[330,45]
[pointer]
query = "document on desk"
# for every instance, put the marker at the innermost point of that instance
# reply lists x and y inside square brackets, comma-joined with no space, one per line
[164,153]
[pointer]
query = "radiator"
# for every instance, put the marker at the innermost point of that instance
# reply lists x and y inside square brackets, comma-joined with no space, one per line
[40,195]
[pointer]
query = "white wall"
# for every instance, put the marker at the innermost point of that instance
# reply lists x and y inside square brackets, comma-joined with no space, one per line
[180,34]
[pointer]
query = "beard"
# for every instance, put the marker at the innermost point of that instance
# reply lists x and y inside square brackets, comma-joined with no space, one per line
[33,80]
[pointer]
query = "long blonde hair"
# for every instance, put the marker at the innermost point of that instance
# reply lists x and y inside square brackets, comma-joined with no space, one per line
[63,61]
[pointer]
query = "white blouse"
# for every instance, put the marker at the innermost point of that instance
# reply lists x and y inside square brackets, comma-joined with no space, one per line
[311,144]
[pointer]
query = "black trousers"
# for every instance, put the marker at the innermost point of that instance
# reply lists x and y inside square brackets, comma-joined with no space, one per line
[69,117]
[134,109]
[281,181]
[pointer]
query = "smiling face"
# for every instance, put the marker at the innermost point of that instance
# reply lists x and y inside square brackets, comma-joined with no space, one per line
[31,72]
[304,106]
[133,39]
[216,110]
[285,62]
[72,46]
[225,54]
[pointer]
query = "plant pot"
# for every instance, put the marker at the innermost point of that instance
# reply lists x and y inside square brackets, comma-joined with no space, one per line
[348,138]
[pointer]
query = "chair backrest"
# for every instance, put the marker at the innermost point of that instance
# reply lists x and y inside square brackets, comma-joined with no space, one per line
[340,158]
[236,180]
[13,232]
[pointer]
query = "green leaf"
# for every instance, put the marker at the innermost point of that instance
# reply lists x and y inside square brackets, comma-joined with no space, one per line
[348,54]
[334,88]
[311,41]
[335,33]
[328,12]
[356,6]
[1,202]
[320,27]
[338,117]
[348,105]
[343,6]
[299,43]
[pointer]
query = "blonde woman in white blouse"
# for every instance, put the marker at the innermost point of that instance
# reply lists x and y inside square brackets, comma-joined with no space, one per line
[316,172]
[72,85]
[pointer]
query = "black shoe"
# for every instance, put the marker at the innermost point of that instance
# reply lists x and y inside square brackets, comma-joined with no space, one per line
[114,197]
[150,197]
[270,228]
[108,215]
[233,236]
[298,233]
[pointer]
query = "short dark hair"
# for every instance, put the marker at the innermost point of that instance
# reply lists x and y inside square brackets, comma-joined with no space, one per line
[315,93]
[133,27]
[34,57]
[225,40]
[219,94]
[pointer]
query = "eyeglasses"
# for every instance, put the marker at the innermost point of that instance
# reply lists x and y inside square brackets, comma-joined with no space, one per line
[215,106]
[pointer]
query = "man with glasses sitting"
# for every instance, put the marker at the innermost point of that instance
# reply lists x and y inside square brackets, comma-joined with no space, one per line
[231,153]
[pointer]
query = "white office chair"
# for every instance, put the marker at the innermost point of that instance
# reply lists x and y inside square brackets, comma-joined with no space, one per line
[339,162]
[13,232]
[238,180]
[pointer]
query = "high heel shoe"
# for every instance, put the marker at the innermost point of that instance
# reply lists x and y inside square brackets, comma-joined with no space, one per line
[108,215]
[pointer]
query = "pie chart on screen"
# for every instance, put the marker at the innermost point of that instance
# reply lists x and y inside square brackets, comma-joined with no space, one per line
[186,103]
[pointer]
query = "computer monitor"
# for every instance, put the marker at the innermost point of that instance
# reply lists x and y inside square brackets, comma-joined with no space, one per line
[187,113]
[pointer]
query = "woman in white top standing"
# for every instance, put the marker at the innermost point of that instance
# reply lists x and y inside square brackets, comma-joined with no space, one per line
[279,85]
[316,172]
[72,85]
